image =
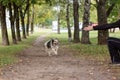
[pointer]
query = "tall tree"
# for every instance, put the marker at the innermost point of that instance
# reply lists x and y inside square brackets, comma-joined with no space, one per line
[58,16]
[76,20]
[22,16]
[12,20]
[58,27]
[32,19]
[102,19]
[104,10]
[5,40]
[23,11]
[28,19]
[68,20]
[17,15]
[85,34]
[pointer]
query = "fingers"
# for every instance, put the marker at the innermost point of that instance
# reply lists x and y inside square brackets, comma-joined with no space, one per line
[89,28]
[86,29]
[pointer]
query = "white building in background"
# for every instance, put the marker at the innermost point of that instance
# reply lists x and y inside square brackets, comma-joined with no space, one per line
[54,25]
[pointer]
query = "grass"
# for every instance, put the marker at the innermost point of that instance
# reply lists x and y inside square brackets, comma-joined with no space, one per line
[8,53]
[93,51]
[100,52]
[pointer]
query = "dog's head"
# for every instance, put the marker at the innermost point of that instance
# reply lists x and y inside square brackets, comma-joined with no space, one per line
[55,41]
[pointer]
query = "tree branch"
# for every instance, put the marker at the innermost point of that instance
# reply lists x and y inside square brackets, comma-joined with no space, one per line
[110,9]
[27,7]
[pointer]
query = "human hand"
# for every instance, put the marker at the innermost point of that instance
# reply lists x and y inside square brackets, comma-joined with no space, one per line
[89,28]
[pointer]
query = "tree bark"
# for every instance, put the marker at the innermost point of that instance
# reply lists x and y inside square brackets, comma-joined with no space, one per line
[22,23]
[28,19]
[68,22]
[102,19]
[76,21]
[58,29]
[12,19]
[32,19]
[16,11]
[85,34]
[5,40]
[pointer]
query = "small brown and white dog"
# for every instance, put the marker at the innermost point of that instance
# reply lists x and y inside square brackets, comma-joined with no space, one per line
[52,45]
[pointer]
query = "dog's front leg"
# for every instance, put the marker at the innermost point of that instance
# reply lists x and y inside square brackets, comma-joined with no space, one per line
[55,51]
[49,53]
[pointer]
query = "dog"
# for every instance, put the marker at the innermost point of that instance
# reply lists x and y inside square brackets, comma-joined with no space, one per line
[52,45]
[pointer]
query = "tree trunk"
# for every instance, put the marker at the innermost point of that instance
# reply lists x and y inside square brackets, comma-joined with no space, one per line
[16,11]
[32,20]
[76,21]
[85,34]
[28,20]
[58,29]
[23,23]
[102,19]
[12,19]
[5,40]
[68,21]
[27,25]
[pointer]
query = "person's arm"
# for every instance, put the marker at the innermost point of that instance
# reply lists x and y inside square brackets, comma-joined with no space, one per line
[104,26]
[107,26]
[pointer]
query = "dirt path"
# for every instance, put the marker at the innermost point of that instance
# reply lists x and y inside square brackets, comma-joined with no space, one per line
[35,64]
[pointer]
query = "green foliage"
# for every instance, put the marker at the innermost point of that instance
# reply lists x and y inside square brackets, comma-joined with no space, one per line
[113,15]
[17,2]
[93,12]
[44,15]
[8,53]
[4,2]
[114,1]
[116,10]
[33,1]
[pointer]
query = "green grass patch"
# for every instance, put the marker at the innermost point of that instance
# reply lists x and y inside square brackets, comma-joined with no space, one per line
[99,52]
[8,53]
[93,51]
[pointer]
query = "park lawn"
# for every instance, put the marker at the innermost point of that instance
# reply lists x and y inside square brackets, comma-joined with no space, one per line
[8,54]
[90,51]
